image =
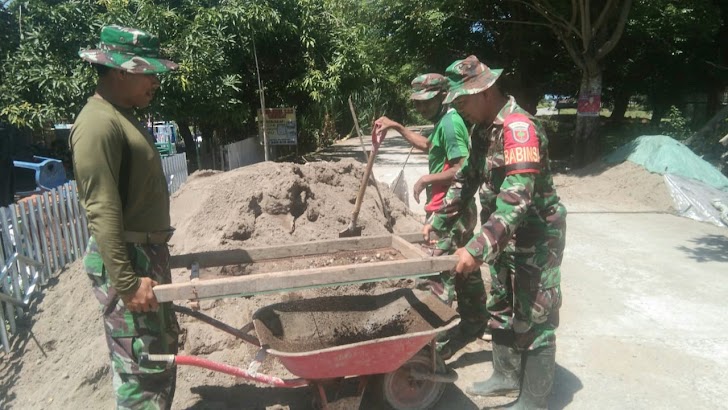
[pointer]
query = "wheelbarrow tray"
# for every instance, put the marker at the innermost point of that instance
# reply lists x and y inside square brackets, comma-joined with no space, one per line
[351,335]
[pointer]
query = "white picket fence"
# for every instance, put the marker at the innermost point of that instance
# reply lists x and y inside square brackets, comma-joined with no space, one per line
[41,235]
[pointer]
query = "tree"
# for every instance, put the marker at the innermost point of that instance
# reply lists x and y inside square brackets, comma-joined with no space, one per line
[308,55]
[589,30]
[40,81]
[426,36]
[668,42]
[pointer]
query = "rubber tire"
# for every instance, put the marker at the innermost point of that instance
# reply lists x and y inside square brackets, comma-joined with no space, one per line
[384,391]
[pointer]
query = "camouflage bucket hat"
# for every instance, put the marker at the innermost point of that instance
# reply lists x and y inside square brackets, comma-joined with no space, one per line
[128,49]
[469,76]
[427,86]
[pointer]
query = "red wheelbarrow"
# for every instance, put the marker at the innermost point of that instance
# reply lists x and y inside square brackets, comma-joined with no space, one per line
[387,341]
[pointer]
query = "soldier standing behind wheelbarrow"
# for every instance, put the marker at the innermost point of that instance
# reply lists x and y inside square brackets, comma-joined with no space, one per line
[124,192]
[447,149]
[523,239]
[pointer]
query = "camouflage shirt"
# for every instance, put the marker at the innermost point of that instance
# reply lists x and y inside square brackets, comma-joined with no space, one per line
[509,164]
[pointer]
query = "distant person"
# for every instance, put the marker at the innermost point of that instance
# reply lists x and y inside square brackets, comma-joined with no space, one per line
[523,238]
[447,149]
[124,192]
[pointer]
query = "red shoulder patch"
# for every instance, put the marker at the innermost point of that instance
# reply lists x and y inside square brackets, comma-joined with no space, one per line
[520,145]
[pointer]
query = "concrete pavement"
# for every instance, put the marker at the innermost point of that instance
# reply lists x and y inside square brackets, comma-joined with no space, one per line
[642,324]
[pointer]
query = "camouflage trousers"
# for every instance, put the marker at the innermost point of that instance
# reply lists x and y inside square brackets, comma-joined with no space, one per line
[468,289]
[525,294]
[130,334]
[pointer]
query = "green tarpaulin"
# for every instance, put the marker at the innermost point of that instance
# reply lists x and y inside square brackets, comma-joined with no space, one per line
[664,155]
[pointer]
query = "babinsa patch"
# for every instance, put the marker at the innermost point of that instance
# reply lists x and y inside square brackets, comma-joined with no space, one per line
[520,145]
[520,131]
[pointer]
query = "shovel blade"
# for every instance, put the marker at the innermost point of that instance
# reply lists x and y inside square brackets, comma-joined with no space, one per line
[350,232]
[400,189]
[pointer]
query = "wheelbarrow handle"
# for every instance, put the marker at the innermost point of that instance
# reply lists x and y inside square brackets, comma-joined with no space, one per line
[240,334]
[171,360]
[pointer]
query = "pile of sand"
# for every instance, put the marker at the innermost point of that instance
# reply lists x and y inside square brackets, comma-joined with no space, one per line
[271,203]
[626,187]
[63,361]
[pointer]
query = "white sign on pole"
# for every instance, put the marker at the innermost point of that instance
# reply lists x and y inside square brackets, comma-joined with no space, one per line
[280,124]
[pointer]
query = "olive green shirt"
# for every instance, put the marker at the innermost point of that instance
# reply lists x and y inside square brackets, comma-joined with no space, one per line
[121,183]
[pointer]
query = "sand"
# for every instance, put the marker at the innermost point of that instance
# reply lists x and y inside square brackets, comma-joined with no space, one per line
[625,187]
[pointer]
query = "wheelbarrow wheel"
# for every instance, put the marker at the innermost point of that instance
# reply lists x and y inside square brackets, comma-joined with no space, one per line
[398,390]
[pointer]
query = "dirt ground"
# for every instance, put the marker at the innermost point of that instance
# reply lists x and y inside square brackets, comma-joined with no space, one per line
[62,360]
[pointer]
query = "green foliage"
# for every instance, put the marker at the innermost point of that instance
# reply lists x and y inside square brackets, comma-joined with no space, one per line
[675,124]
[309,56]
[668,44]
[313,54]
[39,80]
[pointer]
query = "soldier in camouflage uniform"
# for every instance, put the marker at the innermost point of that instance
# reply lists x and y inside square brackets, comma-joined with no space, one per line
[522,238]
[124,192]
[447,149]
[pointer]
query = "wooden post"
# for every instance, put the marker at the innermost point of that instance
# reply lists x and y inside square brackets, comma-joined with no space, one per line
[67,242]
[71,217]
[77,218]
[42,245]
[3,331]
[28,239]
[54,220]
[18,275]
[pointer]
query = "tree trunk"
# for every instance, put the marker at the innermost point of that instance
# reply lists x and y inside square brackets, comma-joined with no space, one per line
[190,145]
[711,127]
[621,102]
[715,92]
[586,138]
[658,112]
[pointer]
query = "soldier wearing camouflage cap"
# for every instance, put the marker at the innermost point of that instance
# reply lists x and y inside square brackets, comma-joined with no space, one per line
[447,148]
[124,191]
[522,235]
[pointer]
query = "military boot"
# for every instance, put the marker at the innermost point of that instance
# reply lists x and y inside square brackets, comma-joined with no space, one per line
[505,380]
[538,378]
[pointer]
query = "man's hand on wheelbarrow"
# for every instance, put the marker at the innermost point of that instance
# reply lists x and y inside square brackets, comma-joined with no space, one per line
[466,262]
[143,300]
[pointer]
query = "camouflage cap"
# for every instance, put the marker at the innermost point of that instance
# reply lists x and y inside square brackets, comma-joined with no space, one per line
[469,76]
[427,86]
[128,49]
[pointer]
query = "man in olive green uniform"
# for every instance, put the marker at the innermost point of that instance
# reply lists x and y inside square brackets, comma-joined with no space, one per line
[124,192]
[523,237]
[447,148]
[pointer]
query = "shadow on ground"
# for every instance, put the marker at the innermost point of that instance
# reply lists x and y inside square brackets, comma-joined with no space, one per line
[708,248]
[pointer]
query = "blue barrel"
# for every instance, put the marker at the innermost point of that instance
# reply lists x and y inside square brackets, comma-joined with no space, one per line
[48,173]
